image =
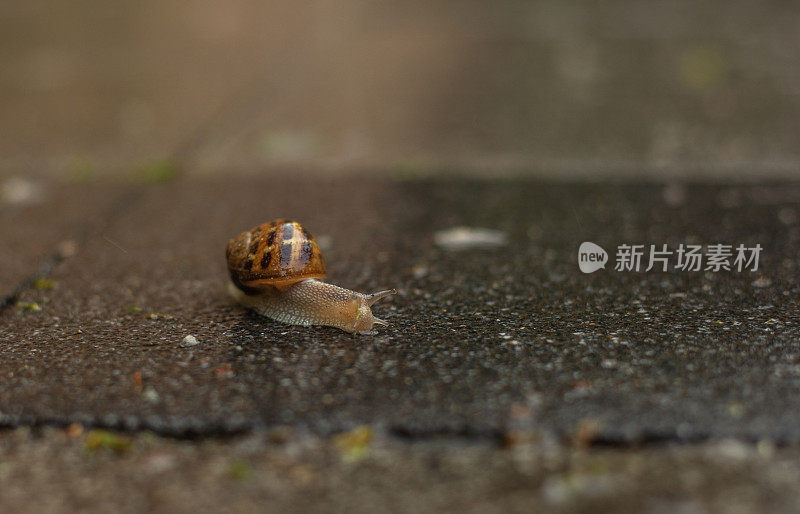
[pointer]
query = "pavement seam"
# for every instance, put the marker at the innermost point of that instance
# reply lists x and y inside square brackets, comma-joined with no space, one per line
[181,153]
[43,270]
[126,201]
[495,438]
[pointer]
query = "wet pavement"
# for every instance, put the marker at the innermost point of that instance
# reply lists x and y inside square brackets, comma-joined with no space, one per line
[498,343]
[137,139]
[576,89]
[41,225]
[363,471]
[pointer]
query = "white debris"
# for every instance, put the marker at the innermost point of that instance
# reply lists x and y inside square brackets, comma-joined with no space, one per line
[761,282]
[67,248]
[190,340]
[150,395]
[21,191]
[419,271]
[463,238]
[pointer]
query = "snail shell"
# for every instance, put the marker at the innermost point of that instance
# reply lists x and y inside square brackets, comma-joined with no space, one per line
[274,270]
[278,253]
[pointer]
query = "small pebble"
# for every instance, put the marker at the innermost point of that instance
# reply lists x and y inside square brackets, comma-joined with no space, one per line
[67,249]
[419,271]
[159,461]
[190,340]
[762,282]
[158,315]
[150,395]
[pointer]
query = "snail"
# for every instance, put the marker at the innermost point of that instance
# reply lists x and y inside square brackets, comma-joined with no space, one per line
[275,270]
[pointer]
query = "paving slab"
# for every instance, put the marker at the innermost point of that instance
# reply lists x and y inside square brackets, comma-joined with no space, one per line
[41,222]
[93,88]
[484,342]
[362,471]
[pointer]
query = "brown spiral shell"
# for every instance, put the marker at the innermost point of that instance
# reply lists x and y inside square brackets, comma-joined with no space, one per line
[274,254]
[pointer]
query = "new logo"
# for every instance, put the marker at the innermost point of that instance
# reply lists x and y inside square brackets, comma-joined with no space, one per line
[591,257]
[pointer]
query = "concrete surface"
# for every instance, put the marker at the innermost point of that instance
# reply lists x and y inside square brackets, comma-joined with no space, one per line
[66,471]
[482,343]
[507,380]
[545,87]
[42,224]
[136,139]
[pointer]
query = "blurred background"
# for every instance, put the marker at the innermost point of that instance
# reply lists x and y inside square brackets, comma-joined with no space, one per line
[636,88]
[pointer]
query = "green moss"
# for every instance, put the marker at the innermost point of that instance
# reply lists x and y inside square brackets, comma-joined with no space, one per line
[240,470]
[44,284]
[29,306]
[703,68]
[103,439]
[156,171]
[80,169]
[411,171]
[354,445]
[158,315]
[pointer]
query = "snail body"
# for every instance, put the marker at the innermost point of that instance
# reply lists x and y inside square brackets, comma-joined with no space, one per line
[275,270]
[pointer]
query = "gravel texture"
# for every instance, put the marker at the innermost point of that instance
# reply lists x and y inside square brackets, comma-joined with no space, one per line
[484,342]
[367,471]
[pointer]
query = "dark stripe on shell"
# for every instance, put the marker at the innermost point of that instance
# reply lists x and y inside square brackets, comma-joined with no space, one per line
[253,248]
[265,260]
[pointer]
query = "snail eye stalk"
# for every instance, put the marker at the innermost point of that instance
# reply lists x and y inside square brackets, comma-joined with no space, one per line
[374,297]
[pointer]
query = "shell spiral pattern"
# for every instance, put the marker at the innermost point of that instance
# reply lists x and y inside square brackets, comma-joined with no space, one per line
[274,254]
